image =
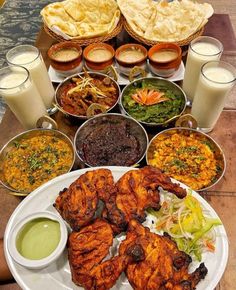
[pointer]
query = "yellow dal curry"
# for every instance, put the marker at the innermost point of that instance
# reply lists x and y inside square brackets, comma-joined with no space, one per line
[187,158]
[33,161]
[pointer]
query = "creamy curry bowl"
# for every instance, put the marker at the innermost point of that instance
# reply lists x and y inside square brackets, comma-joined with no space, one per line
[164,59]
[98,56]
[66,58]
[130,55]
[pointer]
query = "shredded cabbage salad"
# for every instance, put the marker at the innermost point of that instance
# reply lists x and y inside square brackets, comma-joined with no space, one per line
[187,224]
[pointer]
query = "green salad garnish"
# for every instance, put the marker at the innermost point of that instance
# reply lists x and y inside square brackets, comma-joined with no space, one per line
[187,224]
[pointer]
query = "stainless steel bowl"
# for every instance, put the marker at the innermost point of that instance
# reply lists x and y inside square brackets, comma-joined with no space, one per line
[133,128]
[162,82]
[215,148]
[68,80]
[28,134]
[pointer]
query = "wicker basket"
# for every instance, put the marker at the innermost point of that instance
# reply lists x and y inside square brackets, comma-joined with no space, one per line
[87,41]
[151,42]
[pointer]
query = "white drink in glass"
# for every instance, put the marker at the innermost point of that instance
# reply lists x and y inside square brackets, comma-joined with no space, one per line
[216,80]
[21,95]
[29,57]
[201,50]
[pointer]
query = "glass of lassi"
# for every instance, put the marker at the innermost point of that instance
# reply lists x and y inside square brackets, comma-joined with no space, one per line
[29,57]
[201,50]
[216,80]
[21,95]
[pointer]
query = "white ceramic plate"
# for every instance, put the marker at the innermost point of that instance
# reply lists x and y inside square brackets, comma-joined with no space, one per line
[58,277]
[122,79]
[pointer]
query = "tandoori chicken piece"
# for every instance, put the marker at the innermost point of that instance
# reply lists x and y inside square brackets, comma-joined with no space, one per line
[164,266]
[78,203]
[86,250]
[105,275]
[136,191]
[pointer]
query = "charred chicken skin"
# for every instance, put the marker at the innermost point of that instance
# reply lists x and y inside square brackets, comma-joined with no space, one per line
[136,191]
[78,203]
[86,250]
[164,266]
[150,261]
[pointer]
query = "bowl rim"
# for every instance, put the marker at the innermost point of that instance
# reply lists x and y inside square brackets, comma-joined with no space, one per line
[162,46]
[127,46]
[30,132]
[62,45]
[198,132]
[110,115]
[95,46]
[41,263]
[81,74]
[123,111]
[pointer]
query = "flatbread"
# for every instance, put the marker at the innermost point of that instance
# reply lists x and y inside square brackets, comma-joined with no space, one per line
[165,21]
[54,15]
[137,13]
[82,19]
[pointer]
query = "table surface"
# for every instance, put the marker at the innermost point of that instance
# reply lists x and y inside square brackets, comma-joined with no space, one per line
[221,197]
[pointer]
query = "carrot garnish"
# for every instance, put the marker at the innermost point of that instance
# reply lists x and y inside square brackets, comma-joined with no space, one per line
[148,97]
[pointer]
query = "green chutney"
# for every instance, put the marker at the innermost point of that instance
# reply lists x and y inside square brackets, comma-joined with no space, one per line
[38,238]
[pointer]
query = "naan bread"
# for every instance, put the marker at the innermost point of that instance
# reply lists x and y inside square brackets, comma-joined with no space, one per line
[137,13]
[82,19]
[165,21]
[177,20]
[54,15]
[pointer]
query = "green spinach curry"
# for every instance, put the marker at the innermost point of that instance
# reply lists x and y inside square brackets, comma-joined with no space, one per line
[170,105]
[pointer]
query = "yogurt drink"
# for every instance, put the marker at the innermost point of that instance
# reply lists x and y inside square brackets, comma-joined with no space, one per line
[201,50]
[29,57]
[21,96]
[216,80]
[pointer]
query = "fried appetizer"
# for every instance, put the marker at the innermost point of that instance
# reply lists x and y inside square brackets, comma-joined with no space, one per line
[78,203]
[87,249]
[164,266]
[138,190]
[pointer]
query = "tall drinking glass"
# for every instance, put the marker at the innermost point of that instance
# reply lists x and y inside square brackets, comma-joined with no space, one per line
[216,80]
[29,57]
[201,50]
[21,95]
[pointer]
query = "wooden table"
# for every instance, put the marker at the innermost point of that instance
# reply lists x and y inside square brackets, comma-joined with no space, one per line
[221,197]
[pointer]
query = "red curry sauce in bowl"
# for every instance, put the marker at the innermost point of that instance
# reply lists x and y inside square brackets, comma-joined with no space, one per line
[87,94]
[111,140]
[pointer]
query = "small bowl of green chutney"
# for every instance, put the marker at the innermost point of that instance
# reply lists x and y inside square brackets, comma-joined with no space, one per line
[37,240]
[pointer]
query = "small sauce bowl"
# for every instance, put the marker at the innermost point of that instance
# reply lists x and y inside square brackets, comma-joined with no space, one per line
[30,242]
[164,59]
[129,56]
[98,56]
[66,58]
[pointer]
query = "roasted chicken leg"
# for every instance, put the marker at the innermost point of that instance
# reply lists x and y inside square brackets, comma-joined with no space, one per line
[136,191]
[87,249]
[164,266]
[78,203]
